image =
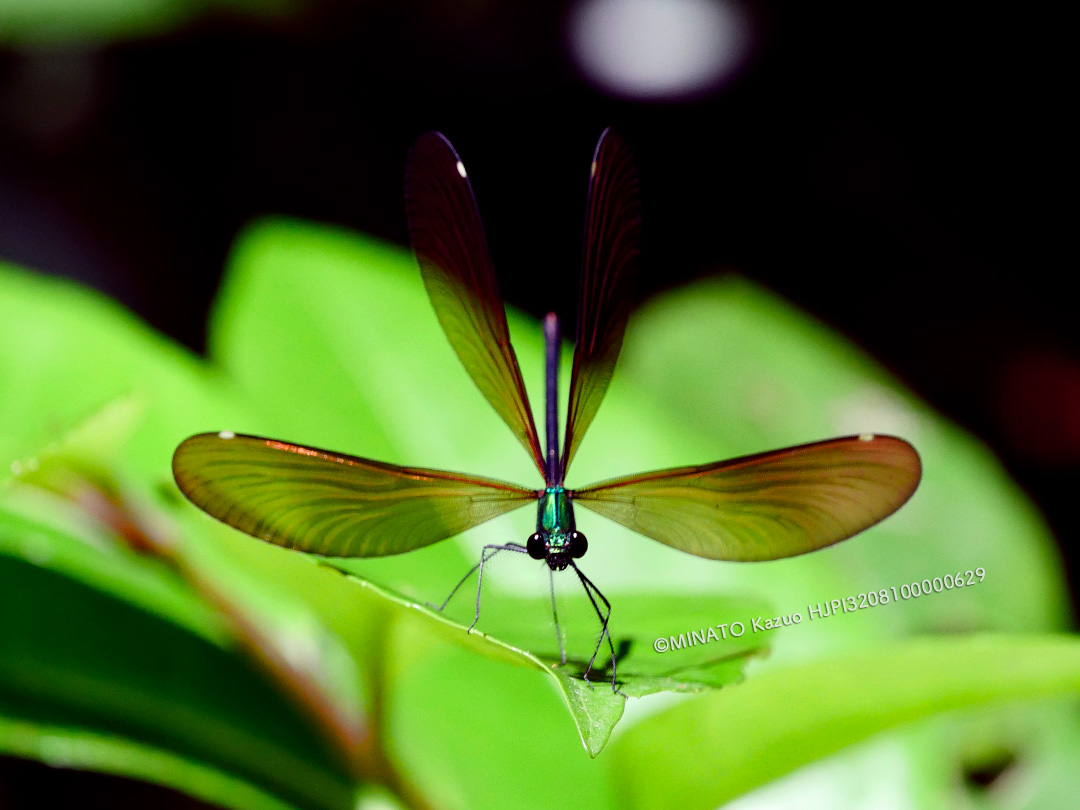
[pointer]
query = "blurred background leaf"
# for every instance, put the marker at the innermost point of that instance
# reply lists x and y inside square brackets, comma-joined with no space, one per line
[51,22]
[109,663]
[910,204]
[68,354]
[327,338]
[708,752]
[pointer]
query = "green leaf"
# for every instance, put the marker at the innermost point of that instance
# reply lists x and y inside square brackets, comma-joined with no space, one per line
[745,372]
[69,356]
[702,753]
[518,631]
[51,21]
[90,394]
[66,747]
[479,735]
[110,646]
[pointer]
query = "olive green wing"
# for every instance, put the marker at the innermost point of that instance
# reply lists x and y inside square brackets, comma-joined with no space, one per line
[767,506]
[329,503]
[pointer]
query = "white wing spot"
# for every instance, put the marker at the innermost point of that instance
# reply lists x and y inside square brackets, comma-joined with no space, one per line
[866,437]
[461,168]
[226,434]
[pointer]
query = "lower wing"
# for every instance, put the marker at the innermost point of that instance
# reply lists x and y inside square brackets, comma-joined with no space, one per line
[766,506]
[332,504]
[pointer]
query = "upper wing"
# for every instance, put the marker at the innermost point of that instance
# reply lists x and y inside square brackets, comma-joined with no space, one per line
[450,246]
[766,506]
[332,504]
[609,264]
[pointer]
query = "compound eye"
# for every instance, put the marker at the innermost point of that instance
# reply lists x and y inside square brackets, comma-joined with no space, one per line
[536,546]
[578,545]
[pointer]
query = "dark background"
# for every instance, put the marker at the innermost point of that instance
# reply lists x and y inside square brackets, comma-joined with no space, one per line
[899,175]
[899,172]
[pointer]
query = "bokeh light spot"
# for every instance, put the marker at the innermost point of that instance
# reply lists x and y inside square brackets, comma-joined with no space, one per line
[658,49]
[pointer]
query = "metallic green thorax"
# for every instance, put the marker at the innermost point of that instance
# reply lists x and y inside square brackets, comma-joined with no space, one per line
[555,517]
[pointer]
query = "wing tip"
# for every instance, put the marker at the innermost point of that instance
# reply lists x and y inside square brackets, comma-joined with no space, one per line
[182,455]
[428,141]
[906,456]
[611,137]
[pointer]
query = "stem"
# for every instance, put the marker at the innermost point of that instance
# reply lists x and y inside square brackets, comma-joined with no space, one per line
[360,744]
[374,757]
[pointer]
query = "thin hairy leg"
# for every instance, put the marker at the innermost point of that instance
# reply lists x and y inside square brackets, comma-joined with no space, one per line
[464,579]
[485,555]
[590,588]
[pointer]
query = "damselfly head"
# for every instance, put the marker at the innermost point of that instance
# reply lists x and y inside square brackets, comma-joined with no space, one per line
[557,548]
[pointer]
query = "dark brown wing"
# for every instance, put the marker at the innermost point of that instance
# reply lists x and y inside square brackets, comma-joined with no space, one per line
[766,506]
[452,250]
[609,264]
[332,504]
